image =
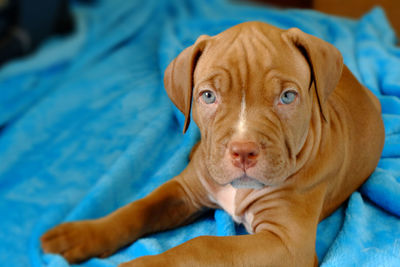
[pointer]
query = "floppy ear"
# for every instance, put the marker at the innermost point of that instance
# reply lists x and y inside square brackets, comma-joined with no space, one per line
[178,77]
[325,60]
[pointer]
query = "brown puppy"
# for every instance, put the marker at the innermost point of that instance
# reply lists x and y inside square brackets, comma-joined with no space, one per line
[287,134]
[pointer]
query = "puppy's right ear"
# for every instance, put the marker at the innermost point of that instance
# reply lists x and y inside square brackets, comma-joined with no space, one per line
[178,77]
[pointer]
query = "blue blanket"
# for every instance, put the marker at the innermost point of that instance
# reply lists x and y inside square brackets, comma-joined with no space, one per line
[86,127]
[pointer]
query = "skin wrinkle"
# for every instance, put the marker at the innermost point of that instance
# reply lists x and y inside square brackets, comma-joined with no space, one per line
[260,35]
[288,149]
[216,71]
[288,145]
[232,39]
[271,130]
[243,202]
[224,113]
[205,83]
[206,132]
[278,234]
[219,127]
[266,222]
[224,138]
[271,225]
[246,199]
[266,139]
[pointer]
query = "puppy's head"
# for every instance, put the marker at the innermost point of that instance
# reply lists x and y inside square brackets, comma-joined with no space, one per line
[253,89]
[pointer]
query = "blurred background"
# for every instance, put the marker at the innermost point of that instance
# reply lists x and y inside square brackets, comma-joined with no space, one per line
[348,8]
[24,24]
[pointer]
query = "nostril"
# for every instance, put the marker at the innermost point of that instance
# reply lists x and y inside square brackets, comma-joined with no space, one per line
[252,155]
[244,150]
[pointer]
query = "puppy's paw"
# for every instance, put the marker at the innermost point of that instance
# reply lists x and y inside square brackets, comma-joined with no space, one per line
[79,241]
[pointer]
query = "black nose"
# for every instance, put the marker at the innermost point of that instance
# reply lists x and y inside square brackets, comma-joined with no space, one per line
[244,154]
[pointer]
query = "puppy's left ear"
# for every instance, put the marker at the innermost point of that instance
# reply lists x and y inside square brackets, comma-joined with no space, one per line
[325,60]
[178,77]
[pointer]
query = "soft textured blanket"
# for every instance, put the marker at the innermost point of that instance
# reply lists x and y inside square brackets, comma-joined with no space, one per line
[86,127]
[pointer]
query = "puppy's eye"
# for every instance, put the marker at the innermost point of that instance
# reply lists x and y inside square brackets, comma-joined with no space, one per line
[288,97]
[208,97]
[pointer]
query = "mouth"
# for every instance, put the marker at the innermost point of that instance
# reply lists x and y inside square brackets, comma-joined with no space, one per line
[247,182]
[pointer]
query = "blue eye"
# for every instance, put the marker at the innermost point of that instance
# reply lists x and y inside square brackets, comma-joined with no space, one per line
[208,97]
[288,97]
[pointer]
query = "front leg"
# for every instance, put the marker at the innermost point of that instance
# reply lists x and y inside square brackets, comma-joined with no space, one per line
[167,207]
[261,249]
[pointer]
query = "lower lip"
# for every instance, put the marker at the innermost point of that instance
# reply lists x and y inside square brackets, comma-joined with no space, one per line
[247,182]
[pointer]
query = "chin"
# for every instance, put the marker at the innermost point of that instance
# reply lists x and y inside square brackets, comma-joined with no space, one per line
[247,182]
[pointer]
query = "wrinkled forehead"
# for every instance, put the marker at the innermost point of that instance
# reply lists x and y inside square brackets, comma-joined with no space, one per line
[252,52]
